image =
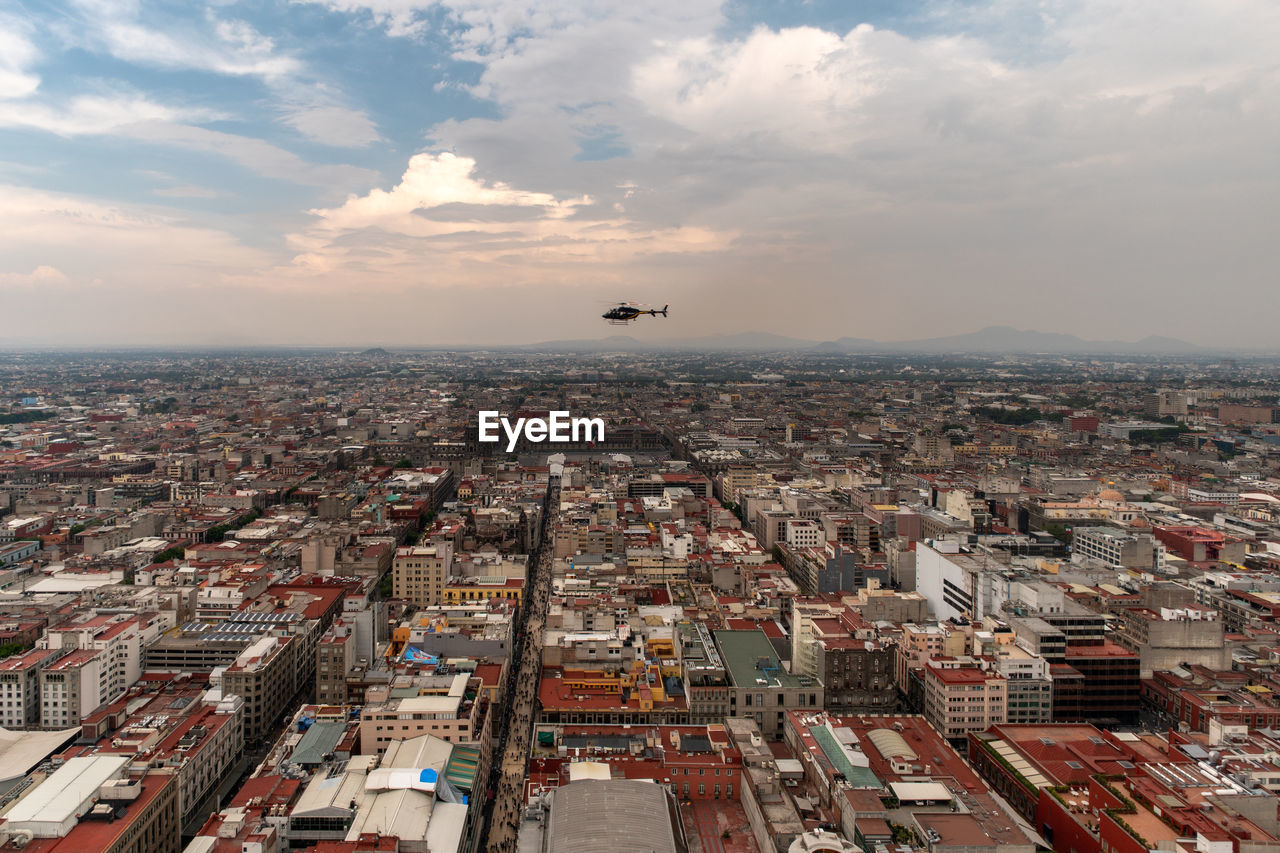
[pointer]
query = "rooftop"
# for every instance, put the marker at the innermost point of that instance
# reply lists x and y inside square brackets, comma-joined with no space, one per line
[749,657]
[598,816]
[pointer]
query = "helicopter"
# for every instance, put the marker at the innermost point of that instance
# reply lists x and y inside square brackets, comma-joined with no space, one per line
[624,312]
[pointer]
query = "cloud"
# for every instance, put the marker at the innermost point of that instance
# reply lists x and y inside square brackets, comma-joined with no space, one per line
[185,191]
[432,181]
[136,117]
[92,114]
[400,18]
[17,54]
[41,275]
[333,125]
[806,87]
[994,153]
[457,228]
[131,246]
[990,156]
[230,47]
[254,154]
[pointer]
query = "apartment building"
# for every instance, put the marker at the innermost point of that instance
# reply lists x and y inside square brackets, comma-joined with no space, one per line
[1029,689]
[961,698]
[335,657]
[419,573]
[267,676]
[118,638]
[20,687]
[1118,548]
[761,688]
[72,687]
[453,716]
[706,682]
[1174,636]
[803,533]
[89,803]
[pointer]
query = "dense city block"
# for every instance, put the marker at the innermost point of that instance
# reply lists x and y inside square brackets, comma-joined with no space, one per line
[296,601]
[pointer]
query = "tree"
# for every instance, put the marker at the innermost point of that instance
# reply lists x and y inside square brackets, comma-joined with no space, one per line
[169,554]
[1057,531]
[1015,417]
[24,417]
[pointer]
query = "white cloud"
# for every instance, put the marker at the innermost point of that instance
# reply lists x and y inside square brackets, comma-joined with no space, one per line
[185,191]
[807,87]
[92,114]
[136,117]
[41,275]
[1118,150]
[431,181]
[400,18]
[17,54]
[1109,148]
[460,229]
[230,47]
[333,125]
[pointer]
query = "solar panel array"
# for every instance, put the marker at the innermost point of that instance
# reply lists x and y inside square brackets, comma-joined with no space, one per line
[240,626]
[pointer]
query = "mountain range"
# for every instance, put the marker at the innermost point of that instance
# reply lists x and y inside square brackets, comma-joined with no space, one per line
[991,339]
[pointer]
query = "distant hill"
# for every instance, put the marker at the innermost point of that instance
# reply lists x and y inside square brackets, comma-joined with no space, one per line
[998,339]
[991,339]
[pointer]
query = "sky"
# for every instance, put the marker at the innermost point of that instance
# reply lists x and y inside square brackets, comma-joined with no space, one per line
[450,172]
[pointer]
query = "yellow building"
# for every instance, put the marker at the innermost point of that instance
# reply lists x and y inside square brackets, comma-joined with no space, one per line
[465,590]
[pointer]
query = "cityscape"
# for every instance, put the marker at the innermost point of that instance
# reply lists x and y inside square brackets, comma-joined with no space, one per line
[789,601]
[671,426]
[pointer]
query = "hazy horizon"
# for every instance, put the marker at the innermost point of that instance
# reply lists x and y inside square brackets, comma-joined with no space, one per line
[479,172]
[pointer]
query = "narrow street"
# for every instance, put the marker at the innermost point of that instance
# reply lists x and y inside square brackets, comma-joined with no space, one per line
[521,692]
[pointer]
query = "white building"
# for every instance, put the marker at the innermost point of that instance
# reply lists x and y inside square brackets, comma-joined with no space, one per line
[72,687]
[960,584]
[119,637]
[804,533]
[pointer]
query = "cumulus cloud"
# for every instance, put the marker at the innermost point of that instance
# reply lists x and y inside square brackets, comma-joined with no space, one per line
[444,224]
[41,275]
[807,87]
[993,153]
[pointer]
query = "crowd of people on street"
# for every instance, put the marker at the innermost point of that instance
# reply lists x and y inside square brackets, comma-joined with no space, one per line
[522,695]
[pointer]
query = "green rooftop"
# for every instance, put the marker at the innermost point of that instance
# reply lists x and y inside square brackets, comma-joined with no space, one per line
[461,770]
[858,777]
[320,740]
[748,655]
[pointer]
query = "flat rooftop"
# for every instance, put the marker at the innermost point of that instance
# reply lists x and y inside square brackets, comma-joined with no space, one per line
[748,656]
